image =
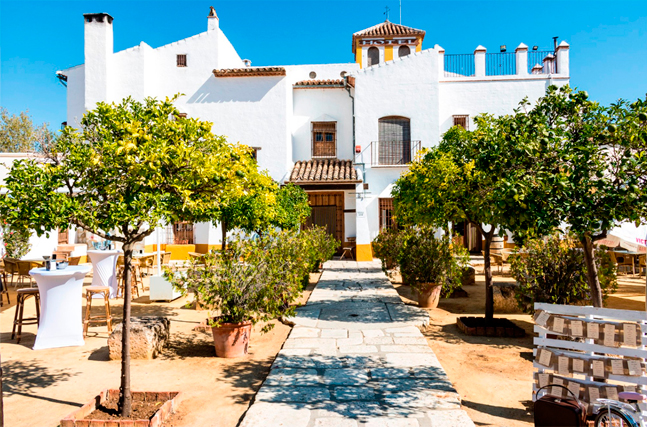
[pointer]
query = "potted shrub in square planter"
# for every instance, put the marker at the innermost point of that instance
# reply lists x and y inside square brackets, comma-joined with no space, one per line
[432,265]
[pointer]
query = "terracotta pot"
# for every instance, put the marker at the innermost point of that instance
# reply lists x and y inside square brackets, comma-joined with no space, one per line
[232,339]
[428,295]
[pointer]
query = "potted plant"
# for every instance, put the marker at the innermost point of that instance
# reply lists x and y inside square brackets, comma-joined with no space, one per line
[431,263]
[253,281]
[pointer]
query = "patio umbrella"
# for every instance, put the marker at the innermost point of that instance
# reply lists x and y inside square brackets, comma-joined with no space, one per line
[629,237]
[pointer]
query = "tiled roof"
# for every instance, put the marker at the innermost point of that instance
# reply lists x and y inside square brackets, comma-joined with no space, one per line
[387,28]
[323,171]
[249,72]
[319,83]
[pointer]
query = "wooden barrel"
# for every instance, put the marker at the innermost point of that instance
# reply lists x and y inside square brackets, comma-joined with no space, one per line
[497,244]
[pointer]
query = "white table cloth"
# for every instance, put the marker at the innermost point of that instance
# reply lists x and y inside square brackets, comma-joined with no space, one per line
[104,265]
[61,319]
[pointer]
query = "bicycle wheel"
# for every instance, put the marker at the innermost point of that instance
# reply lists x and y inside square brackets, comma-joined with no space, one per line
[615,419]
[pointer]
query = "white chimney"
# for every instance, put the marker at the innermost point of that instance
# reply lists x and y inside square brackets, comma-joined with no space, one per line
[98,54]
[213,22]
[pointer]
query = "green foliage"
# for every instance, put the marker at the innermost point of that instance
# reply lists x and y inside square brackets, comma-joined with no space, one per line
[426,259]
[319,246]
[292,207]
[133,165]
[16,241]
[18,133]
[387,247]
[553,270]
[254,280]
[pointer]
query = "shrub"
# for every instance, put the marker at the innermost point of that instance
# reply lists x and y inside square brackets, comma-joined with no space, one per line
[319,246]
[426,259]
[16,241]
[387,246]
[254,280]
[552,270]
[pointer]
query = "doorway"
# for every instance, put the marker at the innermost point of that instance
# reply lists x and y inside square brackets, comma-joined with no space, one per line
[328,212]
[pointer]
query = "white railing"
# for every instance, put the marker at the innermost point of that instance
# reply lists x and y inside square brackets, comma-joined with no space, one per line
[576,346]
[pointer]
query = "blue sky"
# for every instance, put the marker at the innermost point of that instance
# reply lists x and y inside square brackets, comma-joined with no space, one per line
[608,38]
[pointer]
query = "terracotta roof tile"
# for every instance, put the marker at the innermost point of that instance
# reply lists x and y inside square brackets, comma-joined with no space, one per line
[323,171]
[320,83]
[387,28]
[249,72]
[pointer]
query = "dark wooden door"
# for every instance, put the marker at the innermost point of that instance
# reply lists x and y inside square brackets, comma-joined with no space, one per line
[328,211]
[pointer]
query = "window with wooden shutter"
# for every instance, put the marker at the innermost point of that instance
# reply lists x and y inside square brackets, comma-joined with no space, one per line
[324,139]
[181,60]
[386,214]
[462,121]
[394,140]
[403,51]
[373,56]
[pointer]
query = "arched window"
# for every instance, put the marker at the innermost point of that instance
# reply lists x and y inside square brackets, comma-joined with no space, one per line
[373,56]
[394,140]
[403,51]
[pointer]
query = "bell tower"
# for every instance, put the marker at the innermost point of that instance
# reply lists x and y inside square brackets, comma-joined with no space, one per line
[384,42]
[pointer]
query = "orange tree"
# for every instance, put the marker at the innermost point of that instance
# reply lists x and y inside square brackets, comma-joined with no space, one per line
[130,167]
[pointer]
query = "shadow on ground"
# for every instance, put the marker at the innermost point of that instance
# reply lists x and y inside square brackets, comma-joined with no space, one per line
[22,377]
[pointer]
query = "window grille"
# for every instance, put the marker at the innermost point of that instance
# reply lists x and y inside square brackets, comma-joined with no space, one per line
[324,139]
[373,56]
[386,214]
[404,51]
[462,121]
[394,145]
[181,60]
[180,233]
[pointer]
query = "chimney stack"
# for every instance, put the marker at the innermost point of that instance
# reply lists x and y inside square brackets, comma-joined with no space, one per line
[213,21]
[98,51]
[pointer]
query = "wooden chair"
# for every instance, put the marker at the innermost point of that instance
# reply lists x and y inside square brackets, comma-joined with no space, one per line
[90,291]
[166,258]
[348,249]
[23,271]
[642,267]
[10,269]
[4,289]
[74,260]
[135,277]
[623,262]
[18,320]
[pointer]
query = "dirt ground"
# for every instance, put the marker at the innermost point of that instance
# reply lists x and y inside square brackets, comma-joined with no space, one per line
[494,375]
[41,387]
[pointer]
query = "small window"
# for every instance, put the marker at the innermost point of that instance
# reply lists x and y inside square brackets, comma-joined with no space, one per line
[404,51]
[254,153]
[373,56]
[386,214]
[181,60]
[312,74]
[324,139]
[462,121]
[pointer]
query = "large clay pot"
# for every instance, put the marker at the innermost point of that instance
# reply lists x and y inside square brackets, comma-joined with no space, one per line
[232,339]
[428,295]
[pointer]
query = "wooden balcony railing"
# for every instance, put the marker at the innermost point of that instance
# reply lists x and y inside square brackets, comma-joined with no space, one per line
[393,153]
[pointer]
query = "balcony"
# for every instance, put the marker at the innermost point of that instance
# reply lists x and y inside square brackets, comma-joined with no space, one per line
[393,153]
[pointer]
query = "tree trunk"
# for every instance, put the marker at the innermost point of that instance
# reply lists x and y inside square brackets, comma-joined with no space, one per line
[489,290]
[125,397]
[223,226]
[592,270]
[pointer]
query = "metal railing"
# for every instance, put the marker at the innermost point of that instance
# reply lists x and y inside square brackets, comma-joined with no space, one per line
[459,65]
[537,57]
[393,153]
[500,64]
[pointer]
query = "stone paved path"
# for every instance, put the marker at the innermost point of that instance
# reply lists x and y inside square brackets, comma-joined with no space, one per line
[356,357]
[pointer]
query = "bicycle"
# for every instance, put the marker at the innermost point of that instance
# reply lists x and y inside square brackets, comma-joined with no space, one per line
[613,413]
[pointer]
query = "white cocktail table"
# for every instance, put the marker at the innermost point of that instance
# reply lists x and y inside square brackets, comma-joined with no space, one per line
[104,264]
[61,320]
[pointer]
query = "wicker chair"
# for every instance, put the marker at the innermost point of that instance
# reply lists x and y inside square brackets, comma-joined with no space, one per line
[23,272]
[10,270]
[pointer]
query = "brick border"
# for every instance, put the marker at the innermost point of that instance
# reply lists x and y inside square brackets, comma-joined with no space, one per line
[502,328]
[75,419]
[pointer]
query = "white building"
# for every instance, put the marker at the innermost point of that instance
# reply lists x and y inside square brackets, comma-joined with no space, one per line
[344,132]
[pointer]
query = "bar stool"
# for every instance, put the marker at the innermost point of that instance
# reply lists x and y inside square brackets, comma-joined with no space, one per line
[18,320]
[90,291]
